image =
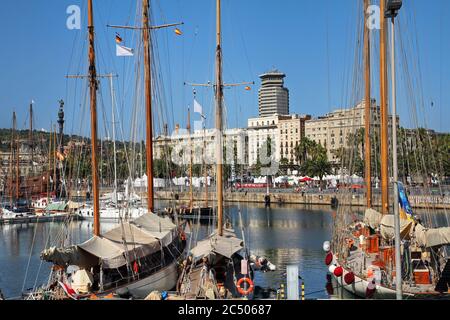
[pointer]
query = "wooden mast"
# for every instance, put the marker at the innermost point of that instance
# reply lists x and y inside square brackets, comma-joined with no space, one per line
[93,101]
[219,127]
[12,159]
[367,108]
[191,192]
[17,150]
[31,134]
[148,104]
[384,114]
[205,167]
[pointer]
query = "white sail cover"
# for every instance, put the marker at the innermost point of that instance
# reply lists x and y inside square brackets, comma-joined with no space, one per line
[432,237]
[372,218]
[225,245]
[136,239]
[387,228]
[160,228]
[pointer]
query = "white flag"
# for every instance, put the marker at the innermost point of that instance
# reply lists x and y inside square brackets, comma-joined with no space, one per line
[122,51]
[197,107]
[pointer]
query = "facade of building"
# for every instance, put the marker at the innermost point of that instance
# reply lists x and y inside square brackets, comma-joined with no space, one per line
[333,129]
[180,143]
[292,130]
[285,132]
[273,97]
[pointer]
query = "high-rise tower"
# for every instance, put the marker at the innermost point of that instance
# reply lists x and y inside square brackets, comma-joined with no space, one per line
[273,96]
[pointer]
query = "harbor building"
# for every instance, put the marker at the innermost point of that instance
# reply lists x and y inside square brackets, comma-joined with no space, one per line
[332,130]
[273,97]
[180,142]
[292,131]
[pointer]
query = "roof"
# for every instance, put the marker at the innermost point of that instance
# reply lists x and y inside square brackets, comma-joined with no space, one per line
[225,245]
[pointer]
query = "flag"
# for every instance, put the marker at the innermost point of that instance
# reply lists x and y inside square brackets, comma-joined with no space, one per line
[405,208]
[178,31]
[118,38]
[197,107]
[122,51]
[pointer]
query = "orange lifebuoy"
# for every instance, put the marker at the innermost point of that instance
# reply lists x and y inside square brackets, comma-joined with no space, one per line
[240,289]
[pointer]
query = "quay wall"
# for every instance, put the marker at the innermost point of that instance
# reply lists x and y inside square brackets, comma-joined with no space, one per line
[416,201]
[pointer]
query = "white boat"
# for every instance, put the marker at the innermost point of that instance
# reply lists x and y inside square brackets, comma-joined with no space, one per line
[112,213]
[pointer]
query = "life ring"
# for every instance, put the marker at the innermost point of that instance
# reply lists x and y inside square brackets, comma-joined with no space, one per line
[241,290]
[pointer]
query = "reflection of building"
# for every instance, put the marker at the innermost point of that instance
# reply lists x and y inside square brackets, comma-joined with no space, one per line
[332,129]
[273,96]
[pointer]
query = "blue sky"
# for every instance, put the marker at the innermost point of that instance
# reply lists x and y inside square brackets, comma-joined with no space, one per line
[311,41]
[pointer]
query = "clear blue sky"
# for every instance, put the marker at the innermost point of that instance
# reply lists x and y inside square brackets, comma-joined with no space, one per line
[291,35]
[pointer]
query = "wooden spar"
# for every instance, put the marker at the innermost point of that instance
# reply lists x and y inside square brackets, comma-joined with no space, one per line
[31,134]
[17,147]
[205,167]
[148,104]
[191,193]
[55,184]
[367,107]
[49,164]
[93,98]
[11,160]
[219,95]
[384,114]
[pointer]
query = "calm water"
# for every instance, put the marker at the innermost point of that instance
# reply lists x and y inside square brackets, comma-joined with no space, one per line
[285,235]
[288,234]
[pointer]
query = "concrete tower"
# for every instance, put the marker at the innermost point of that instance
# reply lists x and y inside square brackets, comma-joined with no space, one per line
[273,96]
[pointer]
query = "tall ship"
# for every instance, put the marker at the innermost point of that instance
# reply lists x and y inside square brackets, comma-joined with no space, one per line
[389,252]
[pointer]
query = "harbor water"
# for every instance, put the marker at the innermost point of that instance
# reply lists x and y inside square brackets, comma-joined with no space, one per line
[283,234]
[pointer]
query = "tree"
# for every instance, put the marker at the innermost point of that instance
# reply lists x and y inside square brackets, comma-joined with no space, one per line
[318,167]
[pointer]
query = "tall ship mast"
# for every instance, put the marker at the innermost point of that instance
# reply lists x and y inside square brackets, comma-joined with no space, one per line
[388,254]
[221,249]
[132,259]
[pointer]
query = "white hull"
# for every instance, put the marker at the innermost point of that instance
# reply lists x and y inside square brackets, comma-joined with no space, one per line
[163,280]
[112,213]
[359,287]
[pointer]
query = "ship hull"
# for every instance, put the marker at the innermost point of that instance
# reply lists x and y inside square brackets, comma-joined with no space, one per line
[162,280]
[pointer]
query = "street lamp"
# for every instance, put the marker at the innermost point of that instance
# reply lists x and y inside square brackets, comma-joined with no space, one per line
[392,8]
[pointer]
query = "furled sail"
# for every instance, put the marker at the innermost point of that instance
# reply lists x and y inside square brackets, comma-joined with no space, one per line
[136,239]
[372,218]
[387,228]
[432,237]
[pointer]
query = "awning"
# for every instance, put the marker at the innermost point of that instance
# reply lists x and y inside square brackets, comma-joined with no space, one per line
[106,251]
[432,237]
[160,228]
[372,218]
[56,206]
[135,239]
[387,229]
[225,245]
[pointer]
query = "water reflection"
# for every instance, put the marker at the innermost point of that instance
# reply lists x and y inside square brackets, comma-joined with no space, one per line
[286,234]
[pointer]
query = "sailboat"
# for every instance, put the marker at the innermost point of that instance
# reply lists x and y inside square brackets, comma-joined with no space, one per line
[387,256]
[192,210]
[215,269]
[132,259]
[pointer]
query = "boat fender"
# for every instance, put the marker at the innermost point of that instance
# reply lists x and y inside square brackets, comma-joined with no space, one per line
[349,278]
[371,288]
[331,268]
[250,286]
[328,258]
[338,271]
